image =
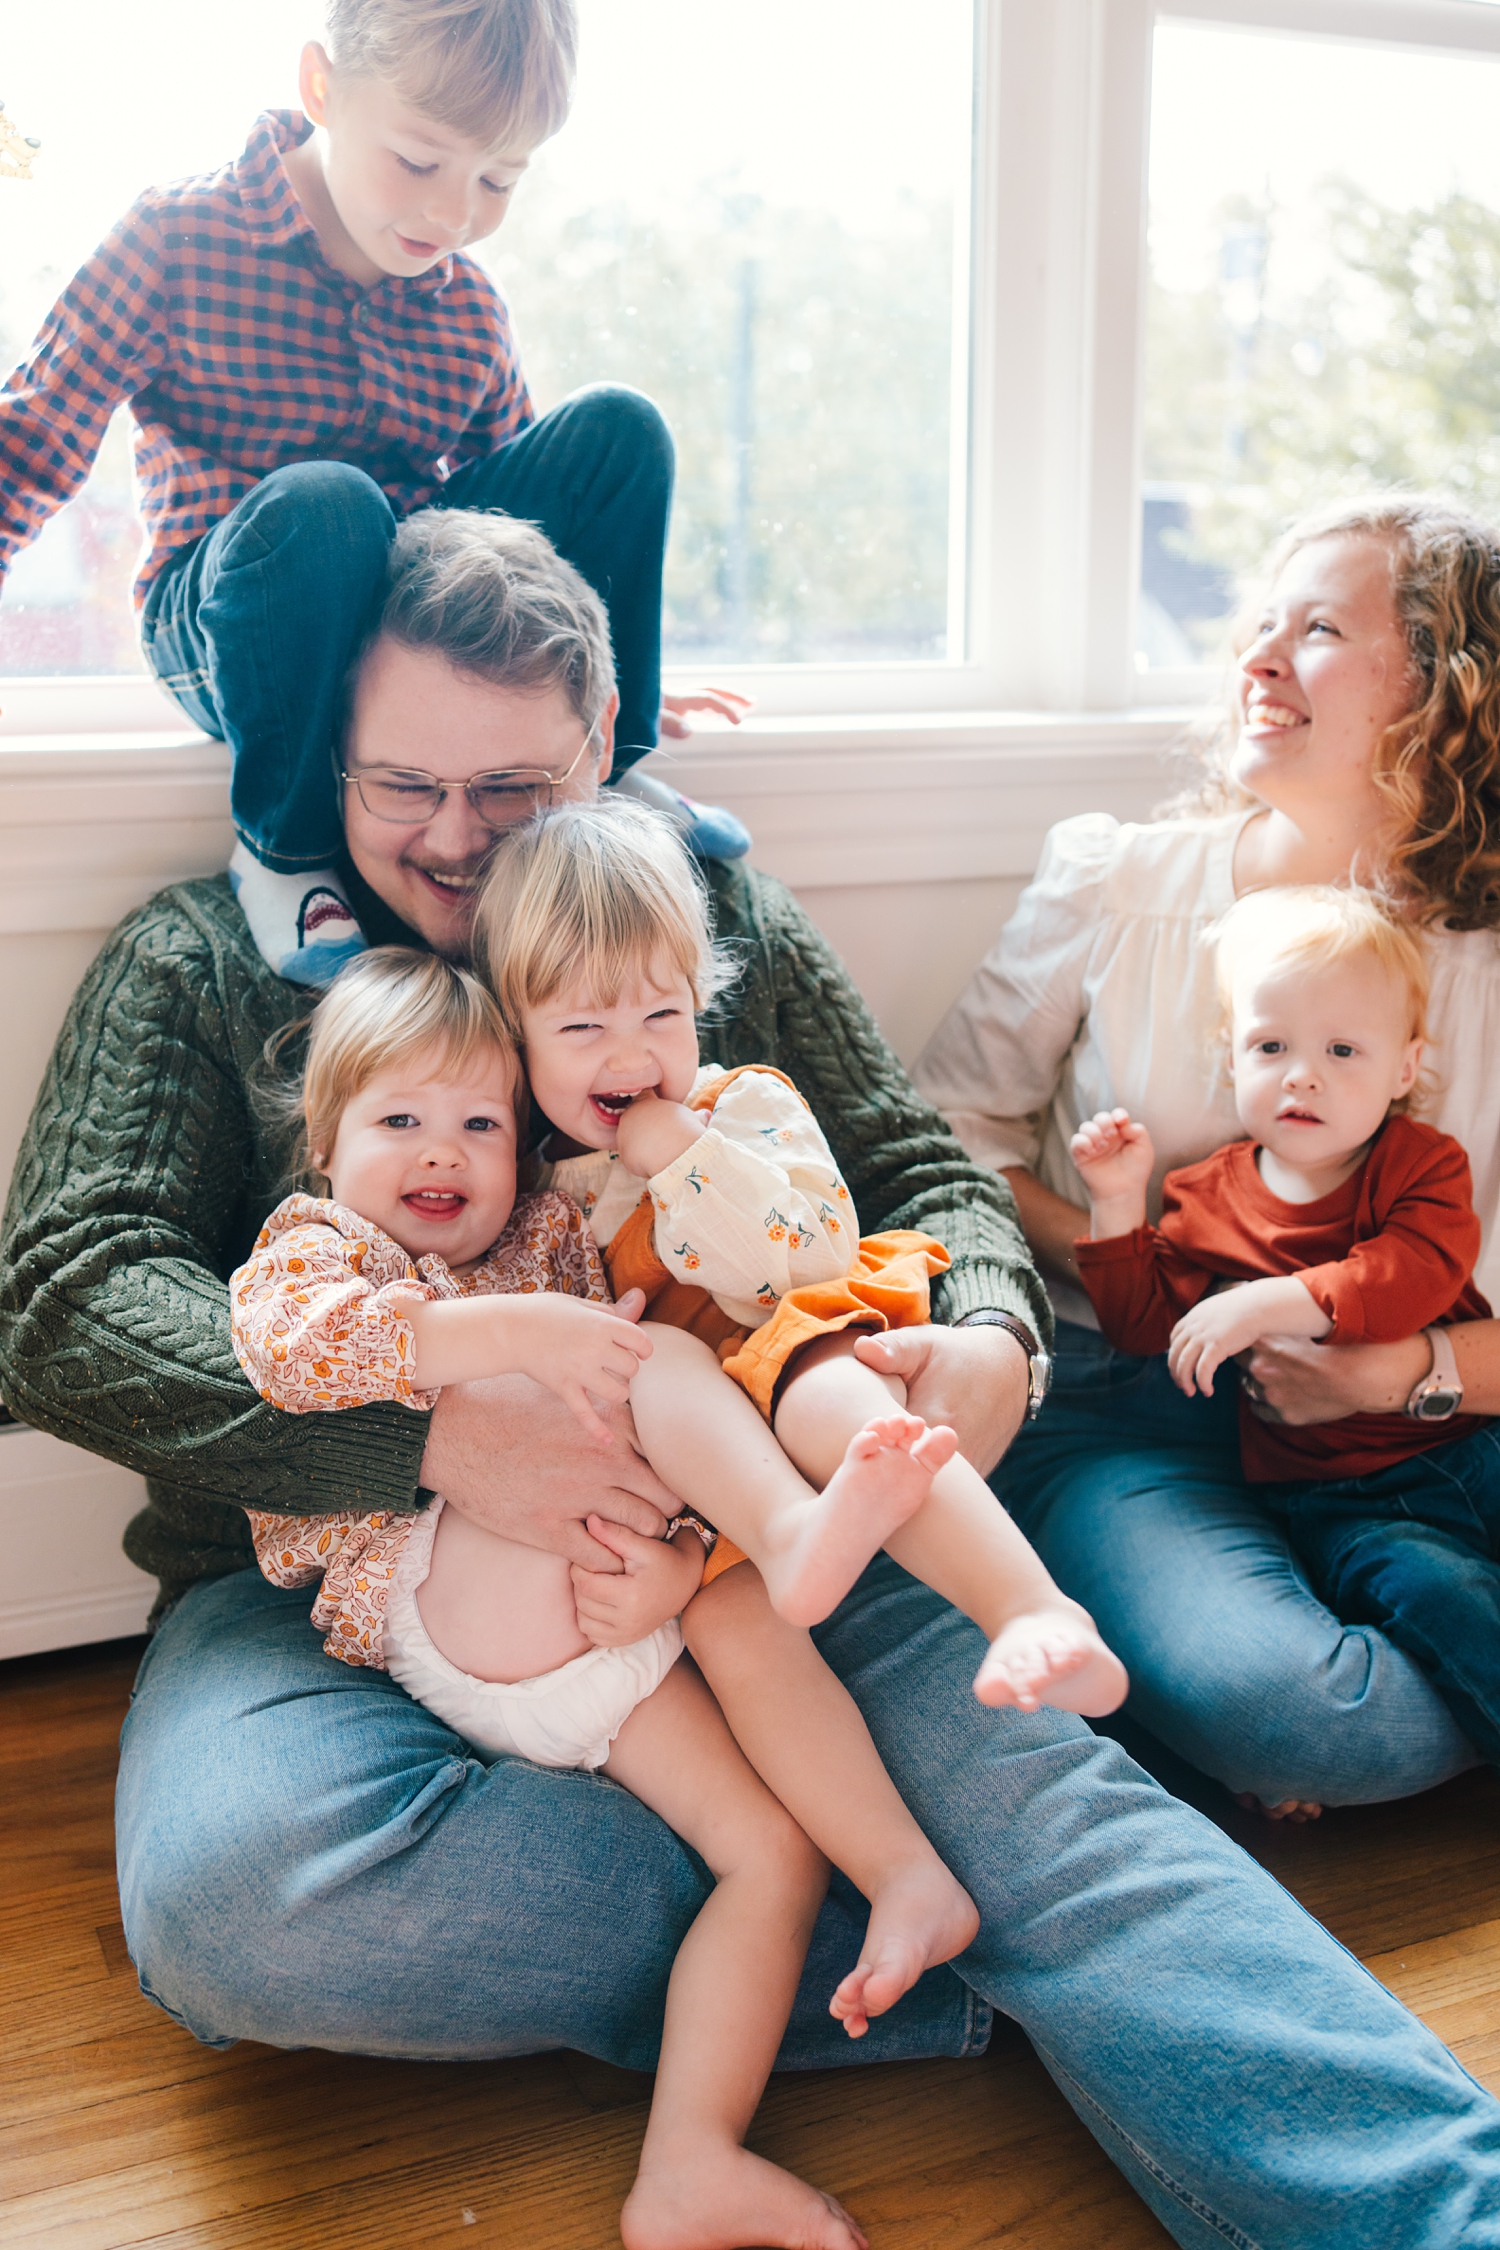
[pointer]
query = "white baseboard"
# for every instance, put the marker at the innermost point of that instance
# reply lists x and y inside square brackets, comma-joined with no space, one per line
[62,1514]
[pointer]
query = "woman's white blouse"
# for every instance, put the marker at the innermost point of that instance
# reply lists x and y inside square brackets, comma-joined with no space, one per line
[1100,994]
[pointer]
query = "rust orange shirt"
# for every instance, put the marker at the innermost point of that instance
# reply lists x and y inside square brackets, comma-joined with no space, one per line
[1388,1253]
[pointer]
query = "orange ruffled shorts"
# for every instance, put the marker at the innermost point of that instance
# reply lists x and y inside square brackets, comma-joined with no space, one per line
[886,1287]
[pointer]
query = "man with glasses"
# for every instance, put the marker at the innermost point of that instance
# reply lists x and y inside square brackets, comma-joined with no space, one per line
[309,1858]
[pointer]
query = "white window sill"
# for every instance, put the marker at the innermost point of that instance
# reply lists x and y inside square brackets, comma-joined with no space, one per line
[91,822]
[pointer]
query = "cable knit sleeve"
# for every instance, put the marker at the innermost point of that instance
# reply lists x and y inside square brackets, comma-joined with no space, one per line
[317,1313]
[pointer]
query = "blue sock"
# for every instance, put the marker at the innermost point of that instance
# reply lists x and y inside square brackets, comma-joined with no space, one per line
[303,924]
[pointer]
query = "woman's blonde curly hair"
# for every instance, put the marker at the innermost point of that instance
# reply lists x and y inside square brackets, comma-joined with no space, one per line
[1439,766]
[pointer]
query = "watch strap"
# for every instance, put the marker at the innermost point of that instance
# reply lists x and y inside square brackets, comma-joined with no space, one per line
[1443,1372]
[1017,1328]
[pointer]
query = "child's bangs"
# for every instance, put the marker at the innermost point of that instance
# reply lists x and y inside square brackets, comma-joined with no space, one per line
[502,76]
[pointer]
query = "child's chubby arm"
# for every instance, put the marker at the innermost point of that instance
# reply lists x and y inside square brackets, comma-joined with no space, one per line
[750,1203]
[653,1133]
[1230,1322]
[659,1579]
[1114,1156]
[567,1343]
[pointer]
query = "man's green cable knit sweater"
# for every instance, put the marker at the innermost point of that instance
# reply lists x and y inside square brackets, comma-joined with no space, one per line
[147,1170]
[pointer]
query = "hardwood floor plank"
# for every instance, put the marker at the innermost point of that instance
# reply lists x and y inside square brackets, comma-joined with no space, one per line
[122,2133]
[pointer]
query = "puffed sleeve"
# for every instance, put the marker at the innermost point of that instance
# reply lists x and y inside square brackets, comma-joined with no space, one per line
[317,1312]
[757,1199]
[993,1064]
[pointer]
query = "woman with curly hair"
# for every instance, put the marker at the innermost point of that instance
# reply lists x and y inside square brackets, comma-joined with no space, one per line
[1365,747]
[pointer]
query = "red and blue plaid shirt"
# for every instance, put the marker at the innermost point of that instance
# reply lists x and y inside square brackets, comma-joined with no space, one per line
[213,311]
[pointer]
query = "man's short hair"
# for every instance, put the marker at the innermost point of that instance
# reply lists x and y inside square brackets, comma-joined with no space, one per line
[500,72]
[494,597]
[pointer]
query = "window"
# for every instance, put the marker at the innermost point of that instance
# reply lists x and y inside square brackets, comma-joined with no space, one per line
[1324,308]
[756,215]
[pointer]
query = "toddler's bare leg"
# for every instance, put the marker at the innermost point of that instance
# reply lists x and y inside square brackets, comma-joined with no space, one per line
[730,1993]
[801,1730]
[812,1539]
[1043,1647]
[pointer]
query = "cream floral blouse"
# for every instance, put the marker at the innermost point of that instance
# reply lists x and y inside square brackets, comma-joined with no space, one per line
[754,1208]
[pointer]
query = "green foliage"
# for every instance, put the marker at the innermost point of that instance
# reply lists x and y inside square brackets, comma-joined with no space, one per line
[1385,371]
[805,372]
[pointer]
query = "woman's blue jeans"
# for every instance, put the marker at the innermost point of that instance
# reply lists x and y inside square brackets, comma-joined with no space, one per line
[309,1858]
[252,630]
[1132,1494]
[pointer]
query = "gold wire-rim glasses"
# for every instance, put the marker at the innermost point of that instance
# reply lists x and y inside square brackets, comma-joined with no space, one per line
[512,782]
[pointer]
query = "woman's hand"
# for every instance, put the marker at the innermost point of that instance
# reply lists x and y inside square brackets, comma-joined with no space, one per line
[1114,1157]
[658,1579]
[1287,1380]
[723,701]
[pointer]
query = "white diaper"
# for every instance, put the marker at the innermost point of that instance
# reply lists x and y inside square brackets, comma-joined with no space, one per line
[564,1718]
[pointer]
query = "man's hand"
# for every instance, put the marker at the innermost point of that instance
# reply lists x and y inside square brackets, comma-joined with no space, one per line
[655,1579]
[723,701]
[510,1456]
[653,1133]
[1220,1326]
[1287,1380]
[974,1379]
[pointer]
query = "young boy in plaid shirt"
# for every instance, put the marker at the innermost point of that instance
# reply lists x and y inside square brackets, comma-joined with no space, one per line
[309,357]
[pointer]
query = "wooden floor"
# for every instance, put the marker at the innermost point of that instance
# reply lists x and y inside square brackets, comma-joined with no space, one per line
[119,2129]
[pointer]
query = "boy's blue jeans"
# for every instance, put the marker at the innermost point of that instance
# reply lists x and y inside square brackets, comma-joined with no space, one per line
[252,630]
[309,1858]
[1413,1549]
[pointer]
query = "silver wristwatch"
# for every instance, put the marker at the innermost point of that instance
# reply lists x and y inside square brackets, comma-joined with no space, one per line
[1440,1393]
[1038,1362]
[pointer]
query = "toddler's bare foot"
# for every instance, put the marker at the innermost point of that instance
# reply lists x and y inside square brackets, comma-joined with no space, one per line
[1297,1810]
[1053,1657]
[920,1917]
[699,2194]
[882,1480]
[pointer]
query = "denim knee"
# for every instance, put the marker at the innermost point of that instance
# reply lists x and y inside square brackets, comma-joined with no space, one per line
[626,418]
[320,519]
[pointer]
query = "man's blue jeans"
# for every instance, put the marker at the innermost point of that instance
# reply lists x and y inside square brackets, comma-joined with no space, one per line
[309,1858]
[252,630]
[1133,1496]
[1413,1549]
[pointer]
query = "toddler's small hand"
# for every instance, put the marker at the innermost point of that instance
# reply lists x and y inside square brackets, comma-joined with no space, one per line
[658,1579]
[575,1346]
[1114,1158]
[653,1133]
[1204,1338]
[1111,1137]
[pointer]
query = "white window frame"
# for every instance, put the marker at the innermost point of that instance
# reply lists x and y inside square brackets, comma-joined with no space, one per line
[1050,289]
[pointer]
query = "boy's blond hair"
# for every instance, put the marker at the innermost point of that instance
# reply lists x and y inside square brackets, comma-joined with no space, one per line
[388,1007]
[500,72]
[1320,926]
[593,896]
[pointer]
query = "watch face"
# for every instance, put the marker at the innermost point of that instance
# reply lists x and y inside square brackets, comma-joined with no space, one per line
[1437,1406]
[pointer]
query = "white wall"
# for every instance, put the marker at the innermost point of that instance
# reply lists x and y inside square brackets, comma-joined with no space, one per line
[906,840]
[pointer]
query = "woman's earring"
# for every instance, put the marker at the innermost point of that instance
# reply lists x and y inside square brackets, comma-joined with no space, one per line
[17,150]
